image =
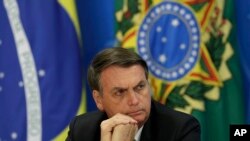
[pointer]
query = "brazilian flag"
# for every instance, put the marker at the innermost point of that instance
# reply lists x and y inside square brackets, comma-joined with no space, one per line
[40,69]
[190,46]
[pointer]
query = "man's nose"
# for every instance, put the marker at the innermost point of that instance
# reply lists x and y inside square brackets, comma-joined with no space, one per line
[133,98]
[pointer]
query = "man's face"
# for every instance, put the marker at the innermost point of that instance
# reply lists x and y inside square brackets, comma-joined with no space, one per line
[125,91]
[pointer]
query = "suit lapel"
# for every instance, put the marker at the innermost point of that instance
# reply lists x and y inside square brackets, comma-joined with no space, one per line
[147,131]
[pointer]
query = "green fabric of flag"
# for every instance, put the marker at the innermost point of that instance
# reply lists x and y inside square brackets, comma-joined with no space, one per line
[191,50]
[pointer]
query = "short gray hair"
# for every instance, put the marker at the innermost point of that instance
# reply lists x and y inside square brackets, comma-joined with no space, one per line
[112,56]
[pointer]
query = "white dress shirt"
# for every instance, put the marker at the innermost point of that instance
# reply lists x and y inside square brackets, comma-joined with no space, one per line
[138,134]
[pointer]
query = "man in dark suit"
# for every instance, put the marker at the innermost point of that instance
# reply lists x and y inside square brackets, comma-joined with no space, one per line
[119,81]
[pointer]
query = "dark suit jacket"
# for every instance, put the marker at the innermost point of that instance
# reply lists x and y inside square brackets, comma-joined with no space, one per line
[164,124]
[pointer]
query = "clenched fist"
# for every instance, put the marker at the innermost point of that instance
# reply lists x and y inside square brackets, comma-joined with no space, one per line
[124,132]
[118,128]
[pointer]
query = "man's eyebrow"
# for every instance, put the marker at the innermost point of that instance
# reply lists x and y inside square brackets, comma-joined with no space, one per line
[118,88]
[125,88]
[140,82]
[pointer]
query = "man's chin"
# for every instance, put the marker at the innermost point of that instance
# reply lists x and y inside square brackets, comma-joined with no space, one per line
[139,118]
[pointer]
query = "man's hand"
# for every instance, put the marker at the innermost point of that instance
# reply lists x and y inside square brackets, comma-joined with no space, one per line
[119,125]
[124,132]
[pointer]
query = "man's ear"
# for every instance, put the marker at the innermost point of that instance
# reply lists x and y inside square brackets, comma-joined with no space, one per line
[98,99]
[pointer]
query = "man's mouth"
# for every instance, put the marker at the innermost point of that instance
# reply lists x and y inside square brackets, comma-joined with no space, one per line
[135,113]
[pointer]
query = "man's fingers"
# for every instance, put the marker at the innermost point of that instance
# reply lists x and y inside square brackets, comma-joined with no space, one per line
[124,132]
[119,127]
[133,130]
[110,123]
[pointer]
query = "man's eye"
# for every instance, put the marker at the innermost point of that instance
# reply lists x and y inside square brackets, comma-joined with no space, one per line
[140,87]
[119,92]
